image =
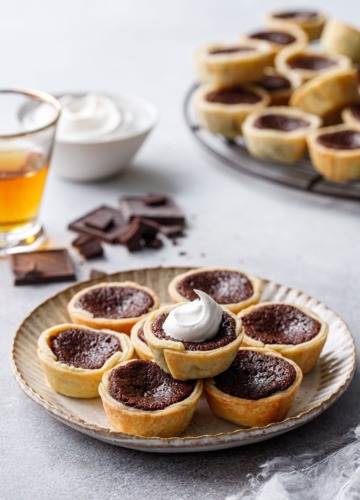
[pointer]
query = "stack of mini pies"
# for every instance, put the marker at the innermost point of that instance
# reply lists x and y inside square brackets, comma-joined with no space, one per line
[285,95]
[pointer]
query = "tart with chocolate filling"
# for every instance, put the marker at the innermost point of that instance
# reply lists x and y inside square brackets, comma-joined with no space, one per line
[351,115]
[139,398]
[278,86]
[138,340]
[335,152]
[75,357]
[233,64]
[222,110]
[256,390]
[294,331]
[310,21]
[117,306]
[342,38]
[279,133]
[280,36]
[189,360]
[327,95]
[228,287]
[306,64]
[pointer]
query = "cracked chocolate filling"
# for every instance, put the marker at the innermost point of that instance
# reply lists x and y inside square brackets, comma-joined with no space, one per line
[355,111]
[310,62]
[297,14]
[280,324]
[278,37]
[115,302]
[225,287]
[344,139]
[233,95]
[272,83]
[225,335]
[231,50]
[255,375]
[84,348]
[143,385]
[283,123]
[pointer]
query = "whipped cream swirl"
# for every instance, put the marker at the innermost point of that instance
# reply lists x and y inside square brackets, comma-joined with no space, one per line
[196,321]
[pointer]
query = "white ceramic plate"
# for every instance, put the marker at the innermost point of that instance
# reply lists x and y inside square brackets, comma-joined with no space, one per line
[319,390]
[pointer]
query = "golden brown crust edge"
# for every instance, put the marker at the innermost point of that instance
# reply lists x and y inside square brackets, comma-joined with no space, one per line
[142,350]
[253,413]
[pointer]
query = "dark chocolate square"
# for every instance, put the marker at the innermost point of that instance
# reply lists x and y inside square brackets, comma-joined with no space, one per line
[105,223]
[44,266]
[167,213]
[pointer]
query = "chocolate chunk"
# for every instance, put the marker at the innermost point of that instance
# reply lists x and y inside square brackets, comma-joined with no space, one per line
[154,200]
[171,231]
[93,248]
[154,243]
[45,266]
[135,206]
[82,240]
[96,273]
[111,220]
[132,239]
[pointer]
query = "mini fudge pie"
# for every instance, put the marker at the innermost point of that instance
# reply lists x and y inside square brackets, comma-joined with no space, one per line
[328,94]
[228,287]
[342,38]
[117,306]
[351,115]
[233,64]
[294,331]
[280,36]
[278,86]
[138,340]
[256,390]
[222,110]
[194,340]
[305,63]
[139,398]
[335,152]
[311,22]
[279,133]
[75,357]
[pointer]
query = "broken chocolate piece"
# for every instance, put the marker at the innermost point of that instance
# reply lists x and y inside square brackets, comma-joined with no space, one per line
[81,240]
[44,266]
[111,221]
[171,231]
[154,243]
[167,213]
[93,248]
[95,273]
[154,200]
[132,239]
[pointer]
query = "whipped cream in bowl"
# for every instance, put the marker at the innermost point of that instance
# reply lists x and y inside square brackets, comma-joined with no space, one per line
[98,133]
[196,321]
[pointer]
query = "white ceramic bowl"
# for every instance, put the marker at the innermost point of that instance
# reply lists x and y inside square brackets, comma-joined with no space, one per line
[110,155]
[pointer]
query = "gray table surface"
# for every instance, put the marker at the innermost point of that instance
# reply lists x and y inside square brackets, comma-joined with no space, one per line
[307,242]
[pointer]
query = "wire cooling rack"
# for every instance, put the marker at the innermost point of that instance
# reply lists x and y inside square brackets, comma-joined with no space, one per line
[234,154]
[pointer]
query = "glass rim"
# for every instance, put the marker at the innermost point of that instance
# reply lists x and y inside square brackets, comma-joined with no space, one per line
[39,96]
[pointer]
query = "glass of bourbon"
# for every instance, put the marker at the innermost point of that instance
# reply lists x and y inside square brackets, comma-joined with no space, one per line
[25,151]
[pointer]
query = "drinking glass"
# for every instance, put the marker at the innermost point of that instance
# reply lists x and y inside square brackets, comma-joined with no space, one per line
[25,150]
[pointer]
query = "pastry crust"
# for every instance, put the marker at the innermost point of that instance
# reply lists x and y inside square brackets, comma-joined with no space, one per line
[280,97]
[328,94]
[169,422]
[342,38]
[311,26]
[173,358]
[123,325]
[339,165]
[306,354]
[235,68]
[248,412]
[348,117]
[142,350]
[226,119]
[291,29]
[282,62]
[280,145]
[256,284]
[72,381]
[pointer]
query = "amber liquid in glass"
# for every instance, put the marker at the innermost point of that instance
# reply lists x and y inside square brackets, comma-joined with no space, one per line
[22,179]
